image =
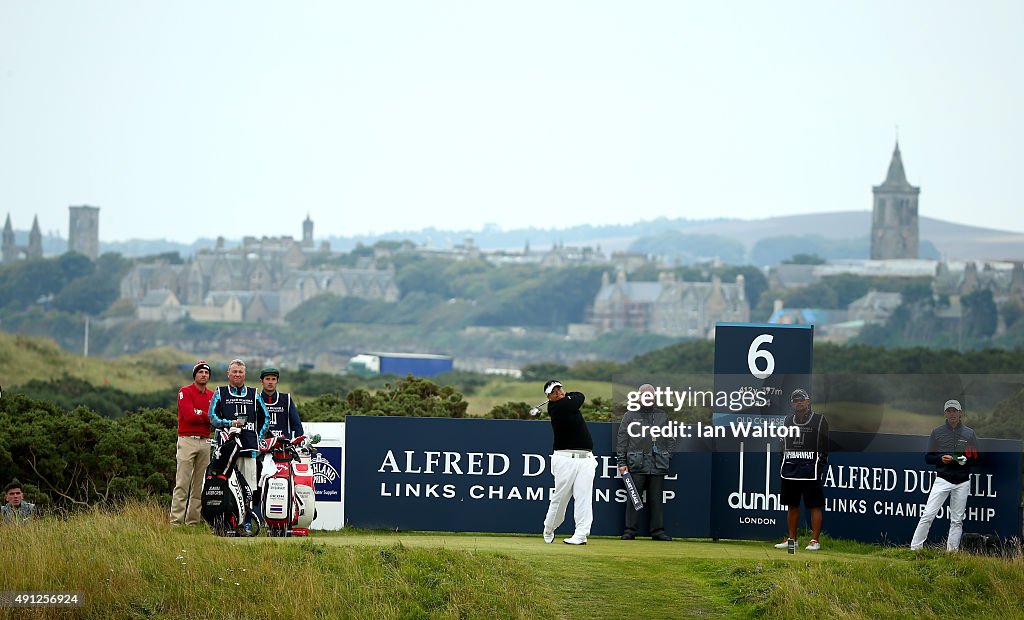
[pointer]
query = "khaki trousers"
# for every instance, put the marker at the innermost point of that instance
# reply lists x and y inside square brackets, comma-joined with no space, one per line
[193,456]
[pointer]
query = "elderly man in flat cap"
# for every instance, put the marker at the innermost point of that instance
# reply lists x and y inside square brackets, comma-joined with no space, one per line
[192,452]
[952,449]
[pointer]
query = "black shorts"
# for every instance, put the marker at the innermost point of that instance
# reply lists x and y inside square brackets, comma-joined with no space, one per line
[811,491]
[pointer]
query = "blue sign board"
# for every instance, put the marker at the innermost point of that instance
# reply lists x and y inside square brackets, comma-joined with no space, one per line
[467,475]
[479,475]
[773,360]
[494,475]
[875,488]
[326,466]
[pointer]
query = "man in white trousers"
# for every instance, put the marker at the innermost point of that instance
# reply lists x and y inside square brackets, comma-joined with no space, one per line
[952,448]
[572,464]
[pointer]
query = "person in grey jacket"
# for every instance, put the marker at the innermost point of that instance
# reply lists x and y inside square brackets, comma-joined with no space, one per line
[952,449]
[15,509]
[647,460]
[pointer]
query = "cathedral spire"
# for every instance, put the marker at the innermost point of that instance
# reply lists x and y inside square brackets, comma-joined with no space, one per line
[897,176]
[35,240]
[894,218]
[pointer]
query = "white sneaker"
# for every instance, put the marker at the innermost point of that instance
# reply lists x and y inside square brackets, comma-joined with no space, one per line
[814,545]
[549,537]
[576,540]
[785,543]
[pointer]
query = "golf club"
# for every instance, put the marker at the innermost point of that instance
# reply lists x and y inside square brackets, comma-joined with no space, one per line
[536,410]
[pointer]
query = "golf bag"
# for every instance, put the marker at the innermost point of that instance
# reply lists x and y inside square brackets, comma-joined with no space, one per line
[226,496]
[288,498]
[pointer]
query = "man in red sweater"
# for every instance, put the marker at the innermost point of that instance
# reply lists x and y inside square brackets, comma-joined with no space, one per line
[193,451]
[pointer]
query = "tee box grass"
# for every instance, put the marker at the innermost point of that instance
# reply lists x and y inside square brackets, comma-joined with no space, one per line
[130,564]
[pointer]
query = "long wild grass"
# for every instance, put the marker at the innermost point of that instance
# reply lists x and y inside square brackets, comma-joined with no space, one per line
[131,564]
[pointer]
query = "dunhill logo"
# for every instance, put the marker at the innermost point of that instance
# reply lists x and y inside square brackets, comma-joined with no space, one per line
[756,501]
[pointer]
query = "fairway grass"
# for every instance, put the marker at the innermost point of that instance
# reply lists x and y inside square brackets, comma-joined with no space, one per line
[131,564]
[501,390]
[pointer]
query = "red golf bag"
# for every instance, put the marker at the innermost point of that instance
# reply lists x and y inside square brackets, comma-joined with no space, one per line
[288,499]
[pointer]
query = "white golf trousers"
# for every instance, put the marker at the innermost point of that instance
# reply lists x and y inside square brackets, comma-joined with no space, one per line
[957,494]
[574,476]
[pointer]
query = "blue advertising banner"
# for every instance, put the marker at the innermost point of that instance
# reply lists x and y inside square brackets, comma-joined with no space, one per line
[326,466]
[876,485]
[875,488]
[478,475]
[446,474]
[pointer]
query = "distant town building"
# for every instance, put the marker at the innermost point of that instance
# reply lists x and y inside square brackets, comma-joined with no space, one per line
[10,251]
[84,231]
[956,279]
[560,255]
[829,325]
[819,317]
[260,281]
[159,305]
[669,307]
[795,276]
[875,307]
[792,275]
[894,222]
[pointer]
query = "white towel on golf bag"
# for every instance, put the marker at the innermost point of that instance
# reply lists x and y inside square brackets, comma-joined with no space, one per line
[269,469]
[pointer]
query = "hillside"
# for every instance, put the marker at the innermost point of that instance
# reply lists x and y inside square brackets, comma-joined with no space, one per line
[23,358]
[953,241]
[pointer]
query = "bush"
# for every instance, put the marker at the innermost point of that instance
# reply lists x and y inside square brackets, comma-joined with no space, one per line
[77,458]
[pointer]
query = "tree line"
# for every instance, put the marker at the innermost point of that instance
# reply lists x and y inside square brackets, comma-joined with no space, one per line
[69,458]
[698,356]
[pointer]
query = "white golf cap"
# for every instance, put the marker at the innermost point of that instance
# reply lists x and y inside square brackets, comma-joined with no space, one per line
[551,385]
[952,404]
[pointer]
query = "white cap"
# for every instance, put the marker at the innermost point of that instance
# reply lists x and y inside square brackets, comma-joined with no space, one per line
[952,404]
[551,385]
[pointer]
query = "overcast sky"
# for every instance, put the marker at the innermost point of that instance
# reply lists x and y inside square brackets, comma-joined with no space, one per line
[182,119]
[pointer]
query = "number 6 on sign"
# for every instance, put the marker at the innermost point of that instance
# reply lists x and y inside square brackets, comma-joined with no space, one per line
[753,354]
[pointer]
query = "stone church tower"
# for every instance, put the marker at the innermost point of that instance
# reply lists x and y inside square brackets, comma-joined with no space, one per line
[307,232]
[10,251]
[84,231]
[894,223]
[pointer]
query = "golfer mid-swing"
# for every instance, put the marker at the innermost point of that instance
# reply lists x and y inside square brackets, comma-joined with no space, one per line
[572,464]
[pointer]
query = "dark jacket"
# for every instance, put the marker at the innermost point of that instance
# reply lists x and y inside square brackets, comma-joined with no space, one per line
[283,415]
[636,449]
[952,441]
[805,456]
[567,424]
[226,406]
